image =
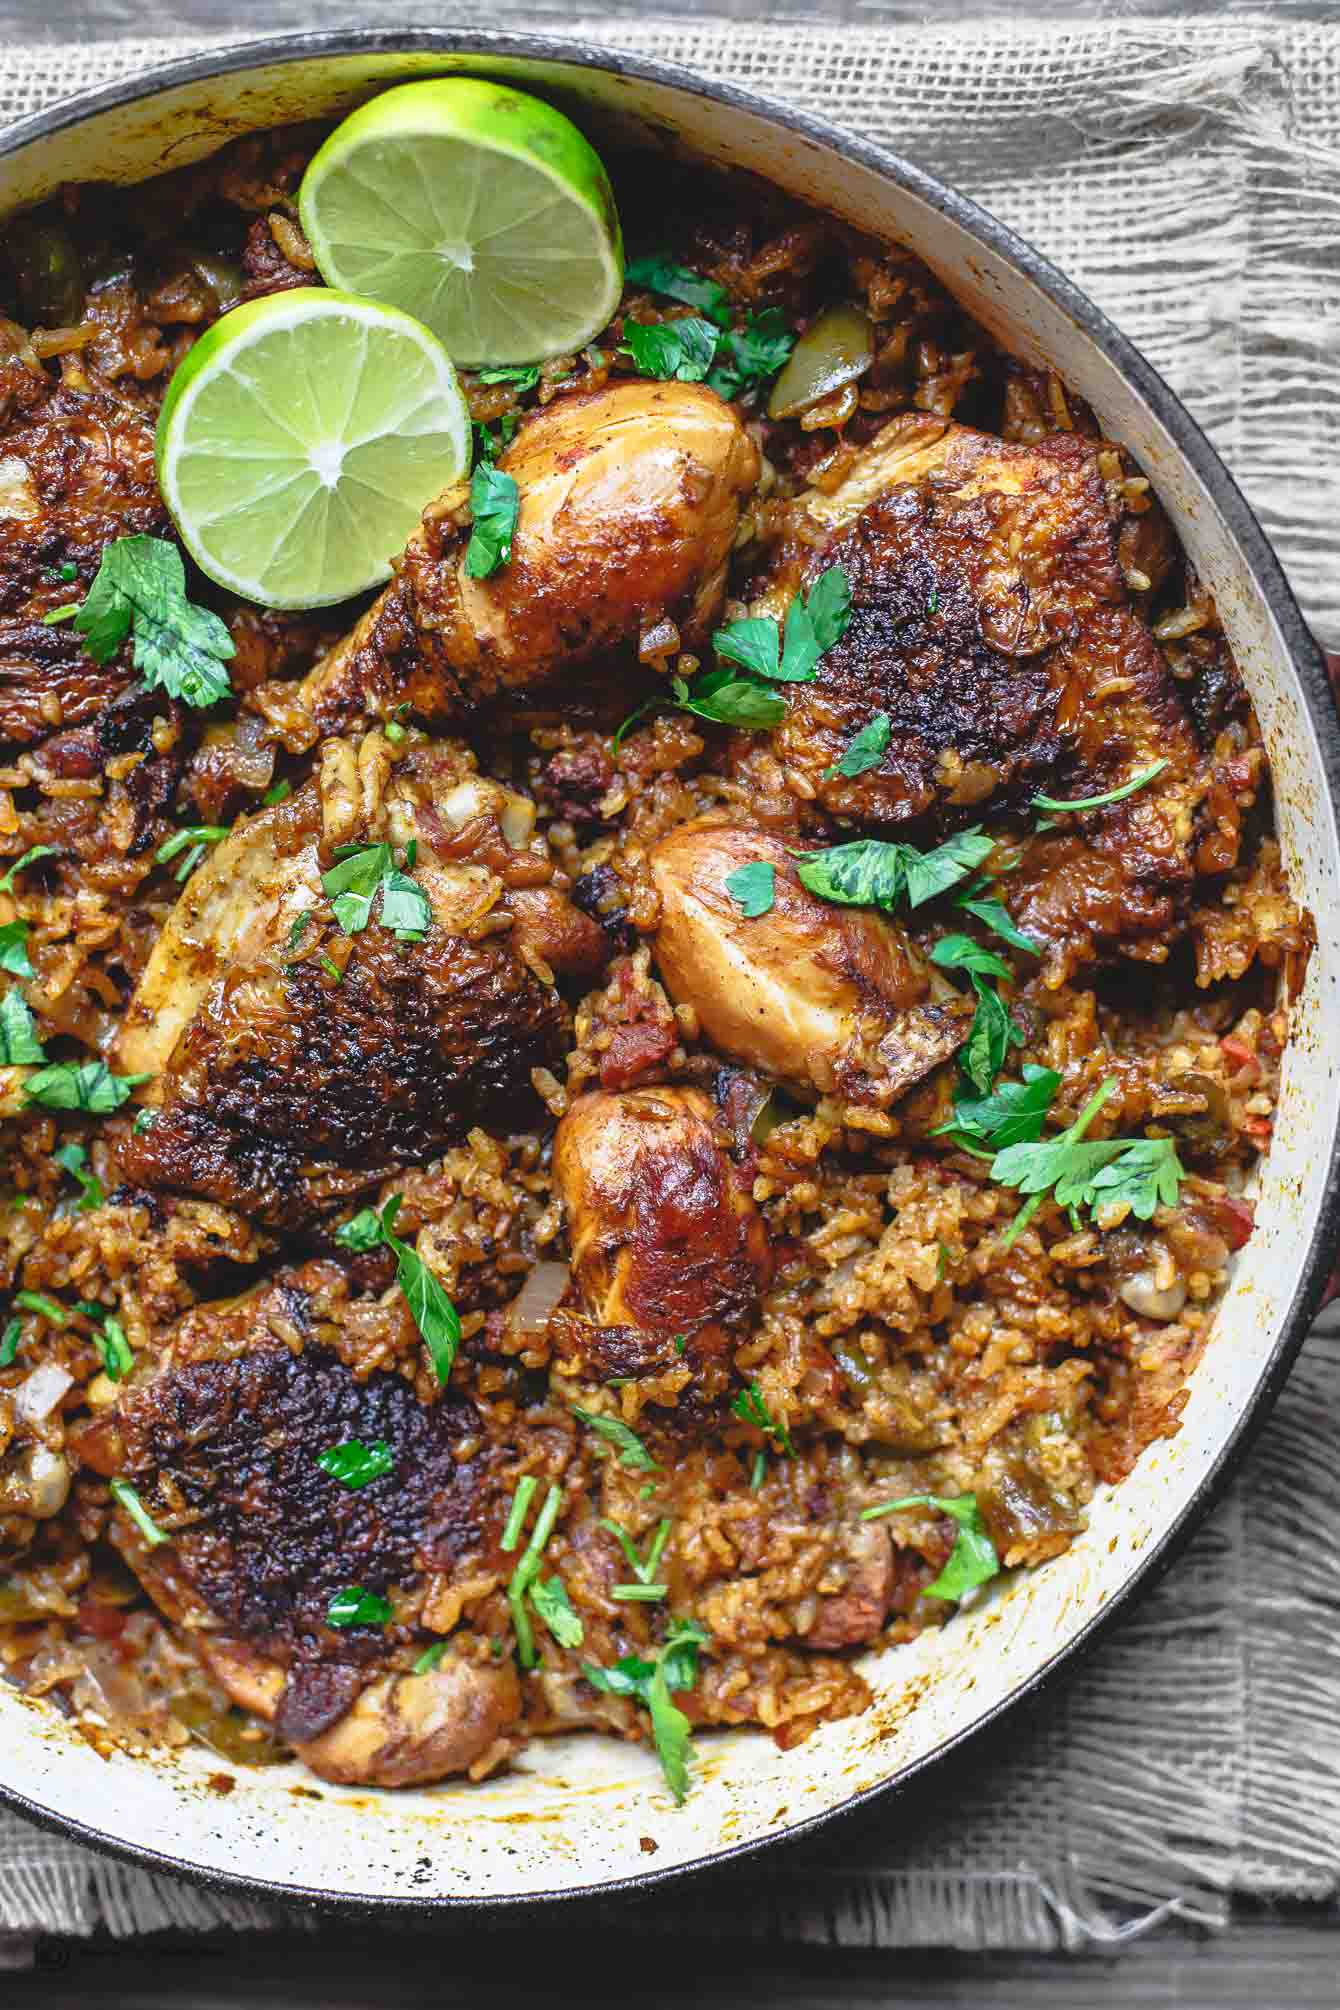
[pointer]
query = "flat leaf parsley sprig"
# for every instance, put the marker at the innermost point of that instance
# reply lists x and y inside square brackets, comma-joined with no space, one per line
[433,1312]
[140,591]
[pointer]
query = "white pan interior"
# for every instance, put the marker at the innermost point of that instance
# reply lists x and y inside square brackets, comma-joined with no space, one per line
[588,1811]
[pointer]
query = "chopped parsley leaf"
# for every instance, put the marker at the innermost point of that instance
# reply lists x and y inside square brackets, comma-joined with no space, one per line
[355,1464]
[432,1310]
[973,1559]
[652,1683]
[1139,1174]
[352,886]
[554,1607]
[14,949]
[488,444]
[676,282]
[198,837]
[747,357]
[140,588]
[866,749]
[752,887]
[814,622]
[278,793]
[74,1158]
[873,873]
[1012,1114]
[430,1657]
[630,1448]
[89,1086]
[677,350]
[524,376]
[495,502]
[19,1044]
[356,1607]
[9,1343]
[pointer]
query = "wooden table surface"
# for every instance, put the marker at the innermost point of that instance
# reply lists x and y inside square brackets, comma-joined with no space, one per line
[1281,1959]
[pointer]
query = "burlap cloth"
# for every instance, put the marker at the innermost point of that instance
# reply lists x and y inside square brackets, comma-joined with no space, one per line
[1188,175]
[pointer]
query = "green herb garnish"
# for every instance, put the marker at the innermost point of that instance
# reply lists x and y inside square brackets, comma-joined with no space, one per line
[45,1308]
[752,887]
[872,873]
[1057,804]
[355,1464]
[178,647]
[520,1508]
[118,1356]
[682,350]
[30,857]
[552,1604]
[14,949]
[356,1607]
[9,1343]
[525,376]
[432,1310]
[865,751]
[74,1158]
[125,1495]
[973,1559]
[495,501]
[749,1406]
[430,1657]
[278,792]
[747,357]
[993,1032]
[676,282]
[352,886]
[644,1568]
[652,1684]
[1012,1114]
[199,837]
[89,1086]
[527,1571]
[630,1448]
[19,1044]
[814,622]
[488,444]
[1136,1173]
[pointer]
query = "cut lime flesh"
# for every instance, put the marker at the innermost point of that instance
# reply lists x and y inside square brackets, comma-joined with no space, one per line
[301,440]
[478,209]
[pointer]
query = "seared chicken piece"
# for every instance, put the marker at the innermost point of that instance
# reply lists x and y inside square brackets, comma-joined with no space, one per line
[824,997]
[630,500]
[992,625]
[665,1238]
[220,1438]
[75,472]
[295,1064]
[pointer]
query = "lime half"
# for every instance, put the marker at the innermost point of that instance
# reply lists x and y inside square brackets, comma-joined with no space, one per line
[478,209]
[301,440]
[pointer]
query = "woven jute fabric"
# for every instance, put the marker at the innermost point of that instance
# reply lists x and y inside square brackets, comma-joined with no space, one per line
[1187,175]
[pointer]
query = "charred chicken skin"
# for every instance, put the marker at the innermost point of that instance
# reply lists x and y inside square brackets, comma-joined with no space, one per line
[294,1063]
[629,504]
[222,1433]
[991,623]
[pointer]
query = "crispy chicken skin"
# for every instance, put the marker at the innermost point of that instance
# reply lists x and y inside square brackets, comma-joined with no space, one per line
[225,1429]
[630,500]
[991,623]
[291,1073]
[665,1237]
[75,472]
[828,998]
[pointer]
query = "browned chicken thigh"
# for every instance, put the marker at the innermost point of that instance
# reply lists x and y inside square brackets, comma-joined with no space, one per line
[76,471]
[296,1060]
[221,1438]
[992,625]
[629,504]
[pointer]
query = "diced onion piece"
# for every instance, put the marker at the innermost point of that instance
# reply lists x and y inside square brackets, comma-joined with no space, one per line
[835,350]
[530,1310]
[38,1394]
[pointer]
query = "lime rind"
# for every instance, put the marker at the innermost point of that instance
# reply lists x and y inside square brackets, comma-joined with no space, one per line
[409,201]
[301,440]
